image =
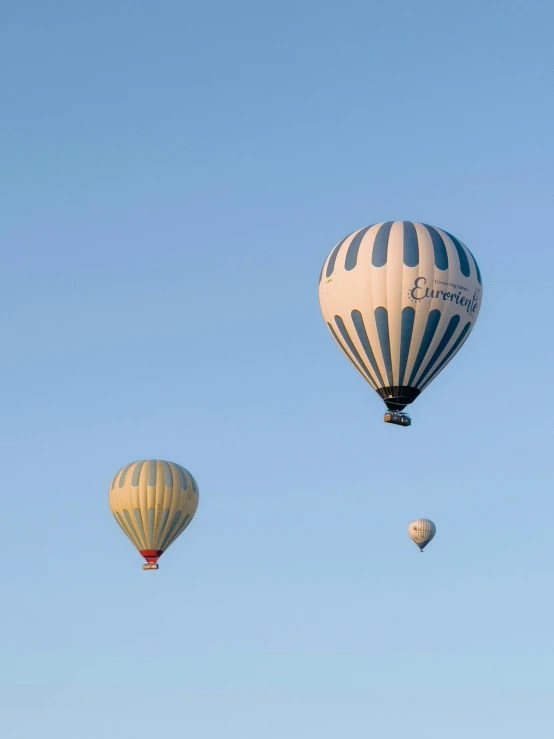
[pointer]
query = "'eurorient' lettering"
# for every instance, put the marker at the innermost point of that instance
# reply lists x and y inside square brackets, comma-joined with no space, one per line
[420,292]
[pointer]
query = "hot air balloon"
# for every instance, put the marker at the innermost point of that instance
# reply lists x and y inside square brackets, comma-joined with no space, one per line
[153,502]
[400,299]
[421,532]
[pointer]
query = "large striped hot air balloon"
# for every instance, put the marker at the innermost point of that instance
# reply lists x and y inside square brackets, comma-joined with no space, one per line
[153,502]
[400,299]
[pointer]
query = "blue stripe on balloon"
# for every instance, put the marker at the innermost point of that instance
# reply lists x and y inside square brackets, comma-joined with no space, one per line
[124,475]
[136,474]
[133,534]
[333,257]
[168,477]
[167,536]
[432,322]
[129,531]
[441,254]
[152,472]
[184,481]
[453,349]
[382,321]
[112,486]
[380,245]
[182,526]
[411,246]
[161,526]
[406,331]
[117,478]
[464,261]
[188,519]
[358,321]
[352,251]
[138,519]
[449,332]
[150,520]
[175,476]
[364,370]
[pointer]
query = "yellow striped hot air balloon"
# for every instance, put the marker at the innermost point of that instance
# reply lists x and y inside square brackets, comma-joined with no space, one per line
[153,502]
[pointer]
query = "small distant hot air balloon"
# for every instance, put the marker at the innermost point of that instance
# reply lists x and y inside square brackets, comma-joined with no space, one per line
[421,532]
[400,300]
[153,502]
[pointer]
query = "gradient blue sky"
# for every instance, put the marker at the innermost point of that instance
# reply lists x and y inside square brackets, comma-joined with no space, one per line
[172,177]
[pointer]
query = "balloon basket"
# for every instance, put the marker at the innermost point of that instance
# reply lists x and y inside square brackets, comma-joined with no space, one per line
[399,419]
[150,566]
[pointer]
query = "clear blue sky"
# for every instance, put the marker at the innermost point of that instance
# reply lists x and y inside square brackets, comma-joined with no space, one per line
[172,177]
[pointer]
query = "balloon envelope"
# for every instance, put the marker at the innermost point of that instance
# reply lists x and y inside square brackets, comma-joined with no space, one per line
[153,502]
[400,299]
[421,532]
